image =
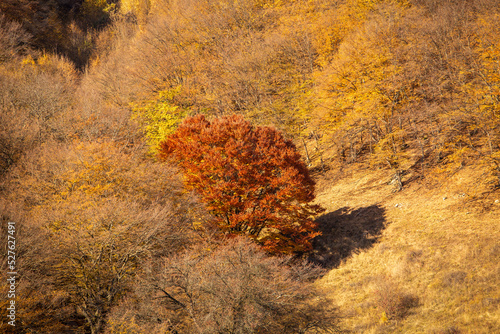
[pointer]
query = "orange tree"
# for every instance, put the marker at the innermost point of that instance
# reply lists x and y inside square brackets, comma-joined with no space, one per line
[252,180]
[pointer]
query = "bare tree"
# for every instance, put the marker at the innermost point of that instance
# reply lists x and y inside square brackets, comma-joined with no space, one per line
[238,289]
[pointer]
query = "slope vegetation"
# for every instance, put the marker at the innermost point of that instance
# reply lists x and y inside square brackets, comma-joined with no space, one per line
[424,260]
[395,105]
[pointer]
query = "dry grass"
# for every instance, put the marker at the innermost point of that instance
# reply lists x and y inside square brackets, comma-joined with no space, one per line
[433,263]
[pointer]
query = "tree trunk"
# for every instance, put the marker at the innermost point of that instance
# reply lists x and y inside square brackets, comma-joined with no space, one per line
[307,153]
[319,152]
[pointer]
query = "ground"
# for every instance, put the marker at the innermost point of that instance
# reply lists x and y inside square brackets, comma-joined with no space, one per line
[422,260]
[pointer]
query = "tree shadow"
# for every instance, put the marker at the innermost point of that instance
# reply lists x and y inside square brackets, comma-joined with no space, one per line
[346,231]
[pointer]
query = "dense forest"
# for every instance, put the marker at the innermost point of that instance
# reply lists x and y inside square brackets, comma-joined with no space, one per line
[159,157]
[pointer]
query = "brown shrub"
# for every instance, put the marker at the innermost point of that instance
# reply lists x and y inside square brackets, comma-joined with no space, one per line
[94,212]
[34,100]
[392,301]
[13,39]
[234,288]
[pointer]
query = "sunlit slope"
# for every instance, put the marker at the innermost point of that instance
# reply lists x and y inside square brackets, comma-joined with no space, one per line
[424,260]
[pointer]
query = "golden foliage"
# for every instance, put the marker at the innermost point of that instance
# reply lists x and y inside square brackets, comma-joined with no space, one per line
[158,117]
[407,85]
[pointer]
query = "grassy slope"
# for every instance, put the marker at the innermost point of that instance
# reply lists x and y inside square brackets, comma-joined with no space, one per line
[424,260]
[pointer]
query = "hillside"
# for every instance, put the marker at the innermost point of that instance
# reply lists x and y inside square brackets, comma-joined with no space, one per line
[260,166]
[423,260]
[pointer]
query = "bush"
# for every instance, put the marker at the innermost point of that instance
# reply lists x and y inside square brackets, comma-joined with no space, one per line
[393,303]
[235,288]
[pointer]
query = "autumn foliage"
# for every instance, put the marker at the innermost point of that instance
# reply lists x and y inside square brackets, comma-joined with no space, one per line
[89,89]
[251,178]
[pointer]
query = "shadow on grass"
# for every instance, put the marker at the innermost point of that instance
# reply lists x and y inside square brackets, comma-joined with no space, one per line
[346,231]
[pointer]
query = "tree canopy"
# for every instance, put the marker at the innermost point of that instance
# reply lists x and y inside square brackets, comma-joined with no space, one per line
[251,178]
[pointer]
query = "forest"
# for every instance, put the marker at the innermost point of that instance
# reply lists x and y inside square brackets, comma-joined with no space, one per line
[170,166]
